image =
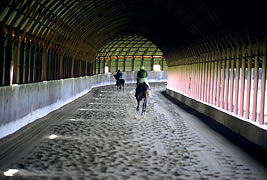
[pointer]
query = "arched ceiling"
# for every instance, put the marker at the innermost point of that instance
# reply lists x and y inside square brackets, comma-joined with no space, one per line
[82,27]
[129,45]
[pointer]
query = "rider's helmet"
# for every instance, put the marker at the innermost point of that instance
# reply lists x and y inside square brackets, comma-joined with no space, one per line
[142,68]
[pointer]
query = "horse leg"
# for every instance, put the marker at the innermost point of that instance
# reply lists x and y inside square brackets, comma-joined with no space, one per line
[144,106]
[117,84]
[138,104]
[145,103]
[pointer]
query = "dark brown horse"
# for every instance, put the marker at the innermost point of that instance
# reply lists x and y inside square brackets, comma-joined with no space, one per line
[119,82]
[141,93]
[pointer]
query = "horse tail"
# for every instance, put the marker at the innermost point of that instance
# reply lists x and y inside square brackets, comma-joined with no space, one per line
[146,93]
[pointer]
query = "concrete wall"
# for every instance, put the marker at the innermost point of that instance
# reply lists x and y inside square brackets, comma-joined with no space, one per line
[251,131]
[22,104]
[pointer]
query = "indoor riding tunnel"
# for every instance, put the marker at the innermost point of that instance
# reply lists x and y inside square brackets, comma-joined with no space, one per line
[133,89]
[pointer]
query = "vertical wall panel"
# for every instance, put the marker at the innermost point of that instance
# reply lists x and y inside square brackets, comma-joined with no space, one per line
[70,67]
[128,64]
[222,80]
[80,68]
[205,77]
[219,88]
[215,79]
[192,79]
[21,62]
[38,65]
[133,65]
[50,65]
[195,79]
[189,79]
[232,79]
[237,81]
[99,66]
[104,64]
[198,79]
[248,88]
[8,59]
[242,88]
[263,84]
[65,66]
[96,66]
[15,62]
[255,86]
[185,84]
[202,77]
[44,66]
[208,78]
[226,90]
[61,66]
[147,62]
[212,79]
[113,65]
[27,59]
[137,64]
[117,64]
[187,72]
[121,64]
[32,59]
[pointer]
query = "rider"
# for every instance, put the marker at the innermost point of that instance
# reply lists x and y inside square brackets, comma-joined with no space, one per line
[142,76]
[119,74]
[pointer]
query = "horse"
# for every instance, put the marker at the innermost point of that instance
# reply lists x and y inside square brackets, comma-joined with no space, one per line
[119,82]
[141,93]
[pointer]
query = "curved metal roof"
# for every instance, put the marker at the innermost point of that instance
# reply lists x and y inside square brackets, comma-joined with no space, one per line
[81,27]
[129,45]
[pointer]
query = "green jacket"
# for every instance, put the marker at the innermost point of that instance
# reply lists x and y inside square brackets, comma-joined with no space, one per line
[142,74]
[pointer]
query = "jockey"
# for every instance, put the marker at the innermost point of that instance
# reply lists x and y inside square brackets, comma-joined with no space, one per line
[142,76]
[119,74]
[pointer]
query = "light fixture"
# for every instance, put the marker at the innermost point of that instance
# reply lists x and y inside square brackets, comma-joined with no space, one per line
[13,34]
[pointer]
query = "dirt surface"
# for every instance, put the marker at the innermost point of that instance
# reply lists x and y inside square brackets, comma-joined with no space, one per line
[100,136]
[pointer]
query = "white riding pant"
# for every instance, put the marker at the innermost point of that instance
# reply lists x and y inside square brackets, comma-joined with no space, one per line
[141,80]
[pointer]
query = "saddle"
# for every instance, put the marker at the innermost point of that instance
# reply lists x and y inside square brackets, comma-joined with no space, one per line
[140,90]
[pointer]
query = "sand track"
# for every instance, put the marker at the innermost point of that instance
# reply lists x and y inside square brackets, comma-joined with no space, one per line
[100,136]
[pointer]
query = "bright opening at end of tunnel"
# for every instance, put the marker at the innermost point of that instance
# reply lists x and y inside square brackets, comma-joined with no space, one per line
[106,69]
[11,172]
[156,67]
[128,52]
